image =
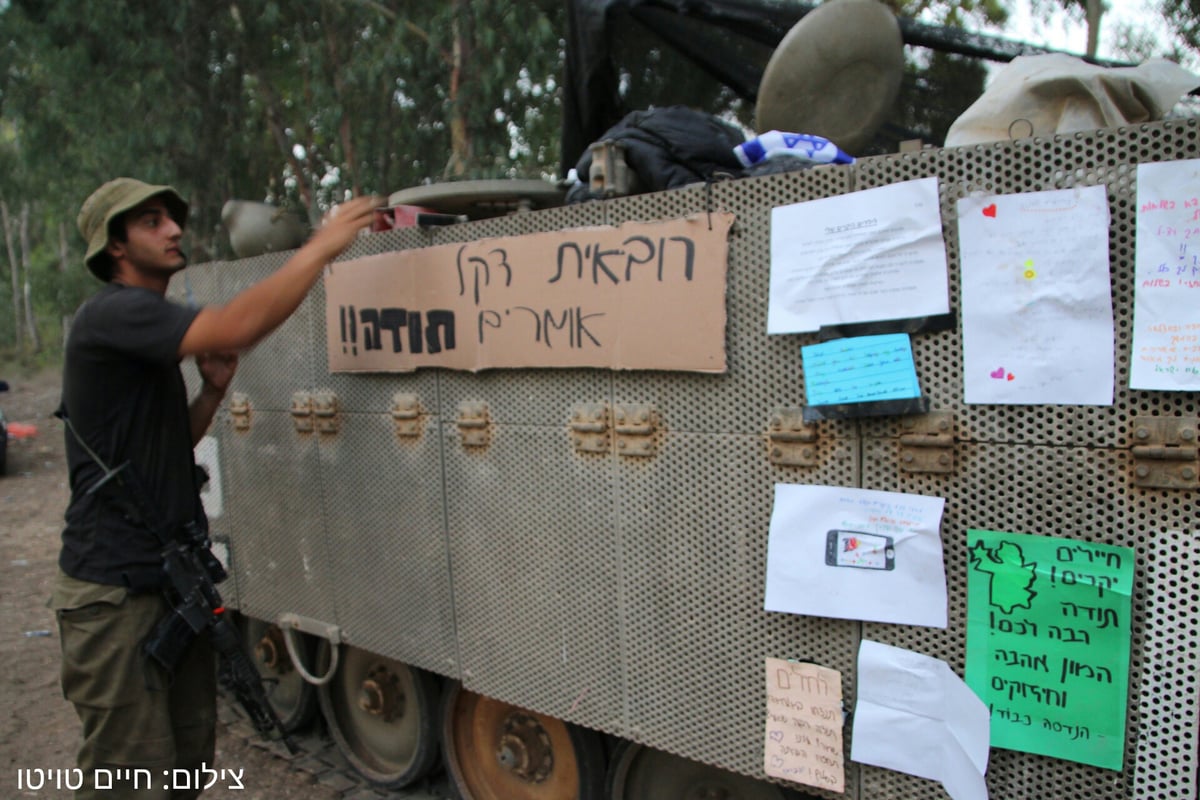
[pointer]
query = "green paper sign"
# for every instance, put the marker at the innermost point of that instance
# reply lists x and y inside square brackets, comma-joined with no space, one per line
[1048,633]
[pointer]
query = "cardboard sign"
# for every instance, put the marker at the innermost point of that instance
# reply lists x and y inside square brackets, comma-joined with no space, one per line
[636,296]
[804,725]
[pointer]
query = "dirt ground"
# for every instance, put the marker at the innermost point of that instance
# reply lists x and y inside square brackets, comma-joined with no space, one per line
[38,728]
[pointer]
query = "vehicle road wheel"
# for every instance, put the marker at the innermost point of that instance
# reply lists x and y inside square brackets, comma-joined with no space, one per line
[497,751]
[383,716]
[642,773]
[293,698]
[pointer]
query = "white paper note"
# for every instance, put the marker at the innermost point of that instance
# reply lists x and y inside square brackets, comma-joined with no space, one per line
[856,554]
[1036,298]
[1166,297]
[207,454]
[915,715]
[870,255]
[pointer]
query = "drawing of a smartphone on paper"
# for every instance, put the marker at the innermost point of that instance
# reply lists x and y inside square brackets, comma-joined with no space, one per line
[859,549]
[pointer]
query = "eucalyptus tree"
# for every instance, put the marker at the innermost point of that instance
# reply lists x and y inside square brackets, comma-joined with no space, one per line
[297,102]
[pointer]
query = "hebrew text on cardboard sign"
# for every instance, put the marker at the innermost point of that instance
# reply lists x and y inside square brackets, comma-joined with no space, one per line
[637,296]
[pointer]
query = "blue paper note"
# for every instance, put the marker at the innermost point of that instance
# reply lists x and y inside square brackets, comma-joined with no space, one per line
[860,369]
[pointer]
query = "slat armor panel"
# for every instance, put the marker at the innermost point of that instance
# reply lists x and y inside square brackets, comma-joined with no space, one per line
[624,593]
[279,543]
[535,557]
[693,530]
[1058,471]
[387,557]
[286,361]
[1082,494]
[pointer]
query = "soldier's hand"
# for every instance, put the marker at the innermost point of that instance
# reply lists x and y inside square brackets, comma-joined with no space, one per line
[217,369]
[343,223]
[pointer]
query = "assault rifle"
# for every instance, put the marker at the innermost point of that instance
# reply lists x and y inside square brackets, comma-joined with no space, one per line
[192,572]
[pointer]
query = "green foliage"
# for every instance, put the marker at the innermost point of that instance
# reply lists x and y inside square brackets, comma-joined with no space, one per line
[958,14]
[298,102]
[1182,18]
[933,96]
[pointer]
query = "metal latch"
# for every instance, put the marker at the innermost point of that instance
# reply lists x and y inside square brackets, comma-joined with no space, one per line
[1165,455]
[301,411]
[473,423]
[325,411]
[927,442]
[791,441]
[635,427]
[406,412]
[239,411]
[589,427]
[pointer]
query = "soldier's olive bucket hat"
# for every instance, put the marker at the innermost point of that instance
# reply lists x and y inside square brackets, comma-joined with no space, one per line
[111,201]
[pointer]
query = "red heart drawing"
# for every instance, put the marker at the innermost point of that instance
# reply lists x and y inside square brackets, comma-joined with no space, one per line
[990,211]
[1010,376]
[998,374]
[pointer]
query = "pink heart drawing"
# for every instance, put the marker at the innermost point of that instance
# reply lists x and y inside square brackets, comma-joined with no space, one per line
[990,211]
[998,374]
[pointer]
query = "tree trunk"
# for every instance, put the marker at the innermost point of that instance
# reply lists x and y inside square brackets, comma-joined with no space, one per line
[460,141]
[26,266]
[14,267]
[64,251]
[1095,10]
[346,128]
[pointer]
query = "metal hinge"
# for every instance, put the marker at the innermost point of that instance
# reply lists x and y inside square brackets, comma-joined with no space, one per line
[635,426]
[1165,455]
[239,411]
[301,411]
[325,412]
[473,423]
[589,427]
[927,443]
[791,441]
[406,413]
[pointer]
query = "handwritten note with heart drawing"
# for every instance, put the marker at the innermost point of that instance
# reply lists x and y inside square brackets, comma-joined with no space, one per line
[804,725]
[1037,320]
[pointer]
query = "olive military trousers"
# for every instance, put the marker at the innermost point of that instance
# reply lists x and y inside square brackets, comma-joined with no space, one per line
[146,735]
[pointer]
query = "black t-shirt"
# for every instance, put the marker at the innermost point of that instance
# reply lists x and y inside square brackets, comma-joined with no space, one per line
[125,396]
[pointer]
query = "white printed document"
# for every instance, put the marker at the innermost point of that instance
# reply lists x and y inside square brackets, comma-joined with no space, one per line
[872,255]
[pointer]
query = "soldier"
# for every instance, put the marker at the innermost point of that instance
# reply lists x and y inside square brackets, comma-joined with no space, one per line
[125,398]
